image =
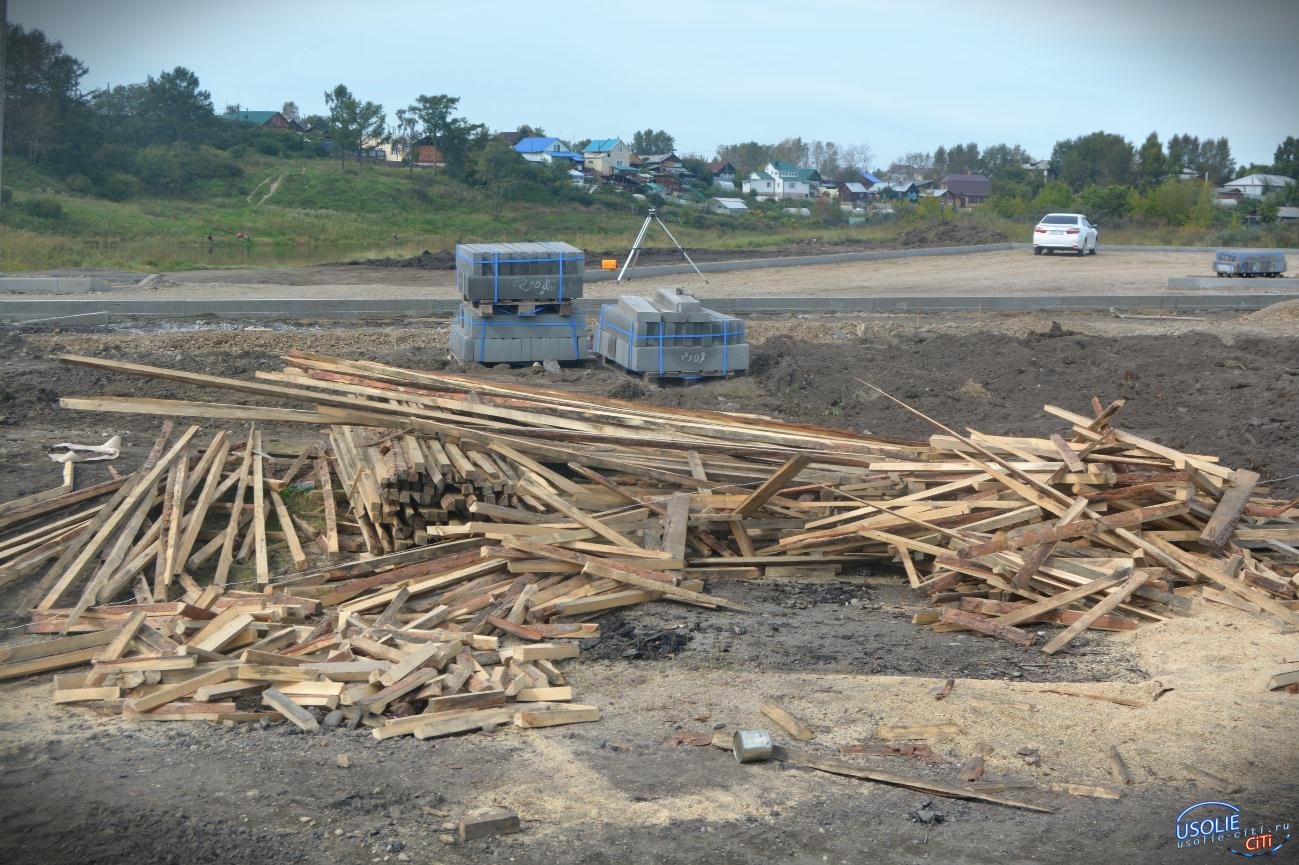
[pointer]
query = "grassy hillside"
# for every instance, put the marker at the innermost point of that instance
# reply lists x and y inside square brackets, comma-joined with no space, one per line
[310,211]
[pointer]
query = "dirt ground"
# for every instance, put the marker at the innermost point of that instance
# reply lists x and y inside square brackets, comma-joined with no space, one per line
[1009,272]
[841,654]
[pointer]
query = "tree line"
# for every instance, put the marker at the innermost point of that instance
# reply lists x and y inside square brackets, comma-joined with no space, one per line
[164,136]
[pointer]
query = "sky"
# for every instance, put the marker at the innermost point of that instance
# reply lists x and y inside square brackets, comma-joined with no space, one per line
[897,76]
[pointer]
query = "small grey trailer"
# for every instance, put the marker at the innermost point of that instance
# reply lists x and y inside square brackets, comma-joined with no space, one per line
[1247,262]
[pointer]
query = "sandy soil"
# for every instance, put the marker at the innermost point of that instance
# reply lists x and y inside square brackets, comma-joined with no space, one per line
[1015,272]
[841,654]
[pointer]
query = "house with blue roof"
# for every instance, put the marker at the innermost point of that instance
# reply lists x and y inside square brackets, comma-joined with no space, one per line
[605,156]
[534,148]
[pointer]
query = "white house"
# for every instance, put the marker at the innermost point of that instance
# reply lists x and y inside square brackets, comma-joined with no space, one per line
[1258,185]
[783,180]
[605,155]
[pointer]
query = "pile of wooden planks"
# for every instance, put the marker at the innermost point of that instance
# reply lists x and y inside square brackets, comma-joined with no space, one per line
[437,542]
[406,482]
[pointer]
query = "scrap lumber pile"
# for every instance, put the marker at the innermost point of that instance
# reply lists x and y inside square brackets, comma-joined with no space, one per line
[494,521]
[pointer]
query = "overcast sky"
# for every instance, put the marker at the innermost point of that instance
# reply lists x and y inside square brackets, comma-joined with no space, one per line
[899,76]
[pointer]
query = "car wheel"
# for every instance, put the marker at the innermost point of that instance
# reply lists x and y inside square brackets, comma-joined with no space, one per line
[1095,248]
[1082,250]
[1037,250]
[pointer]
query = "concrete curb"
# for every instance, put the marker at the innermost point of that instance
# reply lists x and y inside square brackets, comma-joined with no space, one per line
[1183,282]
[94,311]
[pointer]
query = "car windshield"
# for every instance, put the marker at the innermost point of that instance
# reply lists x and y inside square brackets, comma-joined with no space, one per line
[1058,219]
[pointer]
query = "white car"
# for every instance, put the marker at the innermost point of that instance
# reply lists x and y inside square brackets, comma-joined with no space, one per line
[1069,231]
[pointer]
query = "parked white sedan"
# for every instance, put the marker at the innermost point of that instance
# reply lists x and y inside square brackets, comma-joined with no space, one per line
[1069,231]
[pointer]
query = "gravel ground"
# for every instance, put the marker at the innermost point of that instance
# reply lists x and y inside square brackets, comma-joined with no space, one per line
[77,786]
[1015,272]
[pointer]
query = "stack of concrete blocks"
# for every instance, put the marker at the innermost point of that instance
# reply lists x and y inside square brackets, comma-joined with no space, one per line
[517,303]
[671,335]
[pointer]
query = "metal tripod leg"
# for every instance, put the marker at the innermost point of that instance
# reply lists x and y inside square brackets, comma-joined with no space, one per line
[635,248]
[680,247]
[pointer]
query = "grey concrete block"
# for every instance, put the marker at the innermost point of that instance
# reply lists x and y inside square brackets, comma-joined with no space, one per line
[675,300]
[49,285]
[519,272]
[543,325]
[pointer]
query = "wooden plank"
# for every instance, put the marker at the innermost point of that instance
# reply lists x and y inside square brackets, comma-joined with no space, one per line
[226,559]
[171,693]
[1060,599]
[296,553]
[119,514]
[262,564]
[1217,531]
[938,788]
[793,727]
[187,409]
[893,733]
[327,498]
[1105,605]
[773,484]
[570,713]
[991,627]
[488,825]
[300,717]
[1095,791]
[597,569]
[433,727]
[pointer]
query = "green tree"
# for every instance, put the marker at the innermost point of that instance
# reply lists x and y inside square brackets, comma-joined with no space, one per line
[1055,195]
[352,122]
[1213,161]
[41,89]
[176,108]
[1004,162]
[454,136]
[1106,202]
[1099,158]
[1154,164]
[1172,201]
[499,170]
[1285,161]
[747,157]
[1183,151]
[405,136]
[648,142]
[1202,212]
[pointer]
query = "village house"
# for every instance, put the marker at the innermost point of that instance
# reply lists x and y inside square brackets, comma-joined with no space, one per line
[604,156]
[534,148]
[264,119]
[783,180]
[851,192]
[723,174]
[1258,185]
[966,190]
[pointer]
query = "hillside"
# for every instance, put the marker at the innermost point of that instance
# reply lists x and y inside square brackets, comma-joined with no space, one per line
[308,211]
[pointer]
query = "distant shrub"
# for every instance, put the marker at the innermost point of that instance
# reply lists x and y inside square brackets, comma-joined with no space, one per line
[80,184]
[175,169]
[6,196]
[43,208]
[119,187]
